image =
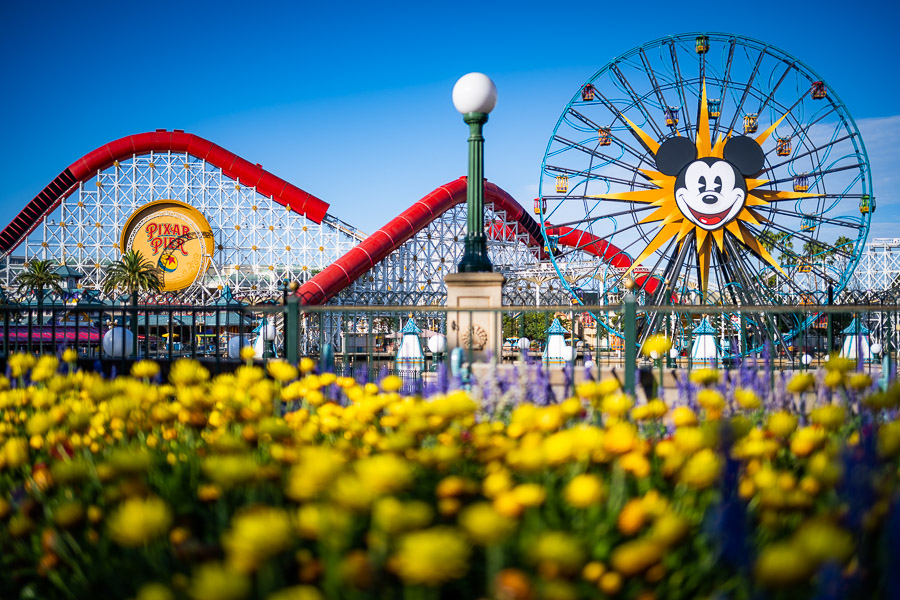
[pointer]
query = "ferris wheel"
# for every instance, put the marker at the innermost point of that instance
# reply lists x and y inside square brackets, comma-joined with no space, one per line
[710,169]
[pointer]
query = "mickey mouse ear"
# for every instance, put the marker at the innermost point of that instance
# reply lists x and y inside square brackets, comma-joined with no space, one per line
[675,154]
[745,154]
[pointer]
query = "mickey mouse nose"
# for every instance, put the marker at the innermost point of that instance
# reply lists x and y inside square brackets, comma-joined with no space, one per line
[710,199]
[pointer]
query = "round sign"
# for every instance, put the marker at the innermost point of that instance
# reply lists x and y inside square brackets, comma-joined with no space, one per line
[175,236]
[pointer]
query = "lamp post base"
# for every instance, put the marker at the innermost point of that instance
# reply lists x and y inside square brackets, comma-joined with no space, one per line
[475,257]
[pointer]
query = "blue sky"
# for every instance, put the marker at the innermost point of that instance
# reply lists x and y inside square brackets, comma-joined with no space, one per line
[351,101]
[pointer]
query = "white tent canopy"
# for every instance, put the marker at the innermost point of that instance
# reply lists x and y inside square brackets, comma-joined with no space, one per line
[704,350]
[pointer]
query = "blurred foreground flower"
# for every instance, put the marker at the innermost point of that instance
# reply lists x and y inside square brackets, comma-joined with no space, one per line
[139,521]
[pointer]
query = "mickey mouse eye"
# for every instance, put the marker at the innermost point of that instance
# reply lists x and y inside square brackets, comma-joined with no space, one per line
[702,182]
[717,184]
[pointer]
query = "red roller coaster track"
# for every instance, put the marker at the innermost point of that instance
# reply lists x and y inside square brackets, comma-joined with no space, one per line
[372,250]
[337,276]
[105,156]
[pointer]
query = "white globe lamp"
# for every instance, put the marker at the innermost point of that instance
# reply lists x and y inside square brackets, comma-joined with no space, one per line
[235,344]
[438,344]
[118,342]
[474,93]
[876,348]
[524,345]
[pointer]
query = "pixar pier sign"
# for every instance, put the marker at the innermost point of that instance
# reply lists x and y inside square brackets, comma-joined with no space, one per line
[173,234]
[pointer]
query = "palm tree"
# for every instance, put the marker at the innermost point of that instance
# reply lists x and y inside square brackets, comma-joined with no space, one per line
[38,275]
[132,273]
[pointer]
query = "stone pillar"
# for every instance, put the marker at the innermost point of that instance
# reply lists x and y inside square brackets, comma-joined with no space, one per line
[475,332]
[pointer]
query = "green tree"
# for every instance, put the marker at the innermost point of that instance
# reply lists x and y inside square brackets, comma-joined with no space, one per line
[38,275]
[780,241]
[132,274]
[535,326]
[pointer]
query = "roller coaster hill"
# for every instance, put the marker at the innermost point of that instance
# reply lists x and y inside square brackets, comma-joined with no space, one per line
[261,231]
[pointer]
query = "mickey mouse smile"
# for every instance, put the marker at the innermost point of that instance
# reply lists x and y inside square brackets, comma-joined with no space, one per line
[705,219]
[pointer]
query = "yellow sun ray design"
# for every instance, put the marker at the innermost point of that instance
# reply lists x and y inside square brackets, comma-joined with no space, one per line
[672,223]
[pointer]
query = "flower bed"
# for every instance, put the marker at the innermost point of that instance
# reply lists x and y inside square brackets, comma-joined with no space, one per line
[198,488]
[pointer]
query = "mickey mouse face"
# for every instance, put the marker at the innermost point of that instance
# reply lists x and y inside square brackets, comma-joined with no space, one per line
[710,192]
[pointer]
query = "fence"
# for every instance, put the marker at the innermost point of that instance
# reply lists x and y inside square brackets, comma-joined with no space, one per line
[351,338]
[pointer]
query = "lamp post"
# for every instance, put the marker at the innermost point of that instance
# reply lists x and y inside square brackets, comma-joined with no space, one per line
[438,345]
[268,333]
[474,96]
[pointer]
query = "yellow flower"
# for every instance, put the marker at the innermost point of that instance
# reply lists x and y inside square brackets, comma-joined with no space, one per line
[45,368]
[187,372]
[558,551]
[782,564]
[711,400]
[384,473]
[584,490]
[281,371]
[782,424]
[593,571]
[307,365]
[15,452]
[154,591]
[610,583]
[801,382]
[806,439]
[683,416]
[144,369]
[297,592]
[616,405]
[632,517]
[212,581]
[19,364]
[39,424]
[391,383]
[747,399]
[704,376]
[889,439]
[634,556]
[620,438]
[484,525]
[70,355]
[824,541]
[657,408]
[669,528]
[859,381]
[834,378]
[529,494]
[635,463]
[689,439]
[317,469]
[393,516]
[255,536]
[68,514]
[701,469]
[247,353]
[656,346]
[231,470]
[840,364]
[830,416]
[432,557]
[138,521]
